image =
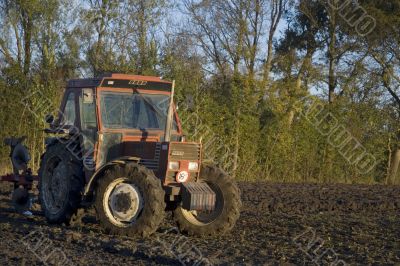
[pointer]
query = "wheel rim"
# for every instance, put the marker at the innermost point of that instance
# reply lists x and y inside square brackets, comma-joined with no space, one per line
[202,218]
[55,185]
[122,202]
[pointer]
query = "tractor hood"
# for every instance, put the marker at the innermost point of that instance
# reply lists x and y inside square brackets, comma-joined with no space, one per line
[165,159]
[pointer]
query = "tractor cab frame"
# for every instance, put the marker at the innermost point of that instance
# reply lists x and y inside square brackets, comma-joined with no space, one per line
[119,118]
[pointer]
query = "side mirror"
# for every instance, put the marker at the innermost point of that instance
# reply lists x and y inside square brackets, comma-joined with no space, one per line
[88,96]
[49,119]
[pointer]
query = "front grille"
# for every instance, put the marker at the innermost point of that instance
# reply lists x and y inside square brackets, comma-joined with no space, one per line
[153,164]
[184,151]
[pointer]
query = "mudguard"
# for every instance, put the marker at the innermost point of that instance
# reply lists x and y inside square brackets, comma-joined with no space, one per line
[99,172]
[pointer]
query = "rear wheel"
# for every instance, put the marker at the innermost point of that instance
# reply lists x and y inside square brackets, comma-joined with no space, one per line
[60,184]
[227,206]
[130,200]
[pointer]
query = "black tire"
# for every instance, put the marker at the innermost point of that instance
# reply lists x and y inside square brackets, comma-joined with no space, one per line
[227,211]
[152,211]
[61,176]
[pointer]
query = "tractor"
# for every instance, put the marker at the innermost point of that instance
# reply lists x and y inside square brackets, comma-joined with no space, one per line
[117,144]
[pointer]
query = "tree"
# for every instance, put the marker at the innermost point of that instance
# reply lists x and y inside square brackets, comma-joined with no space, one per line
[277,9]
[382,45]
[19,23]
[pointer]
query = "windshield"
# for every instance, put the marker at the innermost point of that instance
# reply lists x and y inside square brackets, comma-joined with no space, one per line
[134,110]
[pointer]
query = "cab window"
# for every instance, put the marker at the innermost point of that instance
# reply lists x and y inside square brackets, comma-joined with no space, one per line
[69,114]
[88,109]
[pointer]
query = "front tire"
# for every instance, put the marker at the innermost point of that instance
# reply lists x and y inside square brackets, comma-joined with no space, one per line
[130,200]
[227,209]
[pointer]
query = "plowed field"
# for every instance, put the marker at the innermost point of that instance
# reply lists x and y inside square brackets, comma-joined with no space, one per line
[285,224]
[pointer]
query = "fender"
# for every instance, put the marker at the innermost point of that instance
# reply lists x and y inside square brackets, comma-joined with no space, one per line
[99,173]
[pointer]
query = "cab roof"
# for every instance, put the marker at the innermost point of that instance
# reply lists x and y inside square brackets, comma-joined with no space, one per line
[122,81]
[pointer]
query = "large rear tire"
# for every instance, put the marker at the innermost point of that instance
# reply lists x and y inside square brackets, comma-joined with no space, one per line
[60,184]
[130,200]
[227,209]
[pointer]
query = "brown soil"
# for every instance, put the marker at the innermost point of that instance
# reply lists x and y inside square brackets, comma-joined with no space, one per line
[279,224]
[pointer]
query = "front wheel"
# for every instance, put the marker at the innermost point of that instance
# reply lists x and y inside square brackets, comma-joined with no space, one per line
[227,206]
[130,200]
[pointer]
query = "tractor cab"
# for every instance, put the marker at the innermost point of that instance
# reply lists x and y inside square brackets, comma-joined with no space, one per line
[127,116]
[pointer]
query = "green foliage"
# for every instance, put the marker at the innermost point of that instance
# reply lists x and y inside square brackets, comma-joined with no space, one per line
[248,114]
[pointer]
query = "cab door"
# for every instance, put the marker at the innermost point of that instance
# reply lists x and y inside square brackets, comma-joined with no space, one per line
[88,127]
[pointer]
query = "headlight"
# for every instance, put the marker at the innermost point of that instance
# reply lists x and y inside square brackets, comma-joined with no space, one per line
[193,166]
[173,166]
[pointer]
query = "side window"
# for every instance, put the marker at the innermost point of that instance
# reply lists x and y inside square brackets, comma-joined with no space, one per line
[88,109]
[69,114]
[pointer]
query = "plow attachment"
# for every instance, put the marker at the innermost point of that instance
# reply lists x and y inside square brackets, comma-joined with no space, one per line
[21,177]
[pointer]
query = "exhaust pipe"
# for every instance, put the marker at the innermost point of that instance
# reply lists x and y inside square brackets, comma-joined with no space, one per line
[170,113]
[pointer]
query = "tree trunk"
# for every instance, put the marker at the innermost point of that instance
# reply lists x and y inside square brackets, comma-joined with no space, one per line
[142,42]
[28,28]
[268,63]
[19,46]
[332,56]
[394,166]
[277,9]
[297,88]
[300,75]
